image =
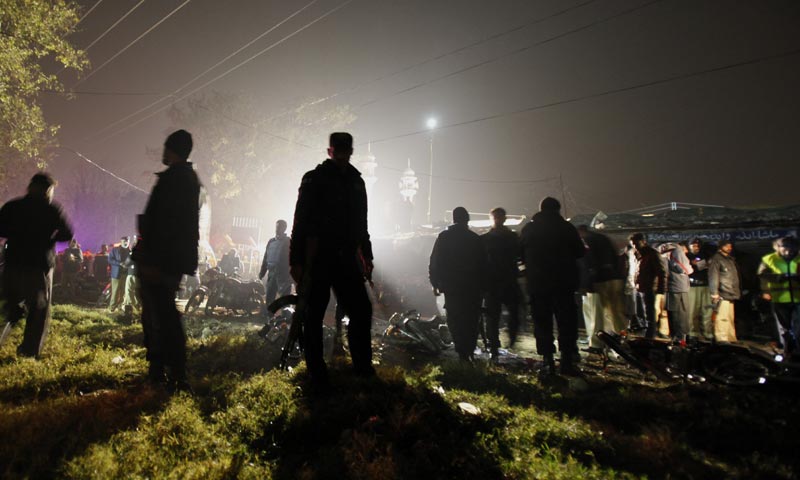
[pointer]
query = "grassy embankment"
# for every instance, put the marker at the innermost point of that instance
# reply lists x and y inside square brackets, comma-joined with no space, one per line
[84,411]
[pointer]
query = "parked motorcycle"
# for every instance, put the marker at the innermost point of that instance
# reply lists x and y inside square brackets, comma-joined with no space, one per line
[698,361]
[410,330]
[221,291]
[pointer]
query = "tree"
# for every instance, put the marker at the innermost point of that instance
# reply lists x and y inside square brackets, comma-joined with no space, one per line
[31,32]
[250,162]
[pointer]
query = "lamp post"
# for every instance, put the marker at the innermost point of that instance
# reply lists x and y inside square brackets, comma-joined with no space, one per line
[431,124]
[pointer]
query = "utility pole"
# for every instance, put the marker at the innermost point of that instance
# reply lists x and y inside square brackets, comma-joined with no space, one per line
[563,195]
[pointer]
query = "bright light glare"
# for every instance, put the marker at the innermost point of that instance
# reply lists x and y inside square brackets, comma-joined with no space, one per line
[432,122]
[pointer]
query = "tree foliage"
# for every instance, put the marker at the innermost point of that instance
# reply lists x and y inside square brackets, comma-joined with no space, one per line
[33,36]
[249,156]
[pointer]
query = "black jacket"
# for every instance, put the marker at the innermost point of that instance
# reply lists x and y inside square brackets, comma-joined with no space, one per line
[502,248]
[169,227]
[723,277]
[602,258]
[32,226]
[458,261]
[331,207]
[551,247]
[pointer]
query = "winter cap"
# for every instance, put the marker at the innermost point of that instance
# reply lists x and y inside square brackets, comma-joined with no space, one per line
[43,180]
[180,142]
[341,141]
[549,204]
[460,215]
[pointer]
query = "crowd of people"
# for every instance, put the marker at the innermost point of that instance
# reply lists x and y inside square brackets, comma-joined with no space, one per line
[678,291]
[569,272]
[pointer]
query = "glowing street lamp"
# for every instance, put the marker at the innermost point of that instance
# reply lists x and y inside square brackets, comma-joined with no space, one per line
[431,124]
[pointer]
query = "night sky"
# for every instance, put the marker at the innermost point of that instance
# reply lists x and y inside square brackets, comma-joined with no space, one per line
[632,102]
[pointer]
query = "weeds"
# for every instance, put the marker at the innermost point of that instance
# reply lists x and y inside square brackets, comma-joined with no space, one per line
[83,411]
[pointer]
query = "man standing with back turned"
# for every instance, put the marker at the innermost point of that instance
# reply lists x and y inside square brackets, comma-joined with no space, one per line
[167,249]
[329,241]
[551,247]
[458,268]
[32,225]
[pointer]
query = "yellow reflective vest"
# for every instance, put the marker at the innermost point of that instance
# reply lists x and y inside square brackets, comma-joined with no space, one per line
[773,274]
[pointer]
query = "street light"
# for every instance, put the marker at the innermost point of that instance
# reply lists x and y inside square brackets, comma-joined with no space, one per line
[431,123]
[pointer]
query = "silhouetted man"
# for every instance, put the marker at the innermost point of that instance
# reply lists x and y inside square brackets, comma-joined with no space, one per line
[132,300]
[119,273]
[650,280]
[73,262]
[275,264]
[167,250]
[32,225]
[458,268]
[779,274]
[603,307]
[724,283]
[230,264]
[100,264]
[502,248]
[678,271]
[329,239]
[700,324]
[551,247]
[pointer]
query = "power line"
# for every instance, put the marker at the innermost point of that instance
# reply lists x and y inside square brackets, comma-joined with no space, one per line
[179,89]
[112,27]
[236,67]
[598,95]
[495,36]
[511,53]
[153,27]
[104,170]
[88,12]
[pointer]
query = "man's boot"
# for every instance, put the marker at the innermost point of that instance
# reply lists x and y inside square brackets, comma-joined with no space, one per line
[548,367]
[569,365]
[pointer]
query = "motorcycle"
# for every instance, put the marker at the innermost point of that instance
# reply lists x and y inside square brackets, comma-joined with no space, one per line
[698,361]
[228,292]
[410,330]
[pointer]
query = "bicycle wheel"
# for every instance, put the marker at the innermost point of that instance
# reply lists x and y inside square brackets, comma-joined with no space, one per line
[737,366]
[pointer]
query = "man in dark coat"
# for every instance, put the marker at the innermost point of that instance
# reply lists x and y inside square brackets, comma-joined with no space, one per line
[458,268]
[651,278]
[73,262]
[330,248]
[100,265]
[119,273]
[502,248]
[551,247]
[167,249]
[32,225]
[275,264]
[231,264]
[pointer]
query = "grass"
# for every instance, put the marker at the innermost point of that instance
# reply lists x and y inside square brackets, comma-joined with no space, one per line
[84,411]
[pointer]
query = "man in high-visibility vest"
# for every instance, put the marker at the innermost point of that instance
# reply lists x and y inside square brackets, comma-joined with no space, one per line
[780,285]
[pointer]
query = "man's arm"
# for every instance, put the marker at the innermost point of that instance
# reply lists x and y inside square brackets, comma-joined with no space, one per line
[263,270]
[765,276]
[302,229]
[62,229]
[713,278]
[434,273]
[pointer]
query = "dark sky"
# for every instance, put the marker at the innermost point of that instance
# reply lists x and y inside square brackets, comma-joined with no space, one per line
[725,137]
